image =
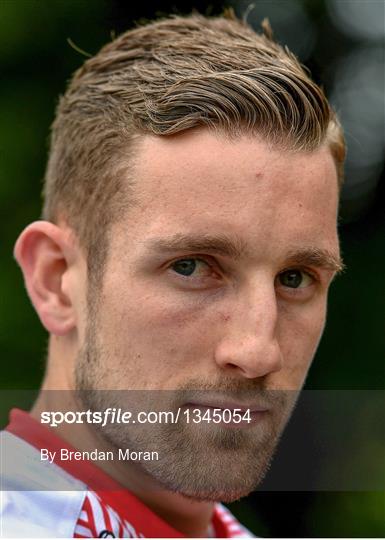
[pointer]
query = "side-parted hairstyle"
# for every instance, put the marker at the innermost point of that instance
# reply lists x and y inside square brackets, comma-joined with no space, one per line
[164,78]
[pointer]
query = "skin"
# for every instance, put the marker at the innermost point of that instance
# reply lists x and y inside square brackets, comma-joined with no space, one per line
[236,327]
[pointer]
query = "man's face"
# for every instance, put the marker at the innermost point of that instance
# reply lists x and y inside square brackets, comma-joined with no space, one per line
[216,281]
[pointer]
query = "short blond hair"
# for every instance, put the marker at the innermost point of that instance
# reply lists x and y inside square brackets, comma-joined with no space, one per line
[164,78]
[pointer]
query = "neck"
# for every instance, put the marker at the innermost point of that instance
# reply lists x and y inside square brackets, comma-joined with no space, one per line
[191,517]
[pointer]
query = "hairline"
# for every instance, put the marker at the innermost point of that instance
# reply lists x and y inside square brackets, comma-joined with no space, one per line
[129,164]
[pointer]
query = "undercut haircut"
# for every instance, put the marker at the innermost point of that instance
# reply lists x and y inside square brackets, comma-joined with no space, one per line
[162,79]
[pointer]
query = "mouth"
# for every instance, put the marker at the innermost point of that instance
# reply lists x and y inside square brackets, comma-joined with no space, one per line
[229,414]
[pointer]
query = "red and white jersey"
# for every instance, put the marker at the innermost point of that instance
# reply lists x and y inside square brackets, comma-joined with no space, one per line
[75,499]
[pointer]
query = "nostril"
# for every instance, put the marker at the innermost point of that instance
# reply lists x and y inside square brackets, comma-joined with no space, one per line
[250,358]
[232,366]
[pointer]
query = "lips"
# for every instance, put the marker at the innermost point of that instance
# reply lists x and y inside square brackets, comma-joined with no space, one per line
[230,406]
[227,414]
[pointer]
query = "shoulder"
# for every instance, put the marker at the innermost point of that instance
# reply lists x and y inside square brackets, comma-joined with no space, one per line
[38,499]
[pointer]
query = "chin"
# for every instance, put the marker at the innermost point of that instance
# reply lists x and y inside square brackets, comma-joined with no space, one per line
[202,491]
[220,495]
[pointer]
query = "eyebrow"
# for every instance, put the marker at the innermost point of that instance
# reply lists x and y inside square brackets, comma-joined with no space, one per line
[236,249]
[218,244]
[319,257]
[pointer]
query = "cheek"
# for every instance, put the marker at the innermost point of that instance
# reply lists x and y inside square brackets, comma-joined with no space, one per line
[147,324]
[299,332]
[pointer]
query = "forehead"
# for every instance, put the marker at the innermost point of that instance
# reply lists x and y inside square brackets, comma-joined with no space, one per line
[207,183]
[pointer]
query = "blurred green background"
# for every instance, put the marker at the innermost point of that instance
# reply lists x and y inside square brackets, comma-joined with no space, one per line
[341,41]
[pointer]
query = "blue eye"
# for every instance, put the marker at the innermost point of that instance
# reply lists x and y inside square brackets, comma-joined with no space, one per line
[185,267]
[294,279]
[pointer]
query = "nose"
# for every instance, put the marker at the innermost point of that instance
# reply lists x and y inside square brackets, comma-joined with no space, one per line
[249,346]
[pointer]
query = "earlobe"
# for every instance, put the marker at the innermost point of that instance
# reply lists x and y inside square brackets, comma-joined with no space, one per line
[43,253]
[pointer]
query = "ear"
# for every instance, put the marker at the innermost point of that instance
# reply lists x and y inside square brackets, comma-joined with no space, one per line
[45,253]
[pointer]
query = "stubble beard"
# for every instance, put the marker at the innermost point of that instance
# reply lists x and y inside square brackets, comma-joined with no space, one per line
[203,462]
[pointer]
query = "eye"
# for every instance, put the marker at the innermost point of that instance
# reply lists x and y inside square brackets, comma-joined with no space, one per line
[295,279]
[187,267]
